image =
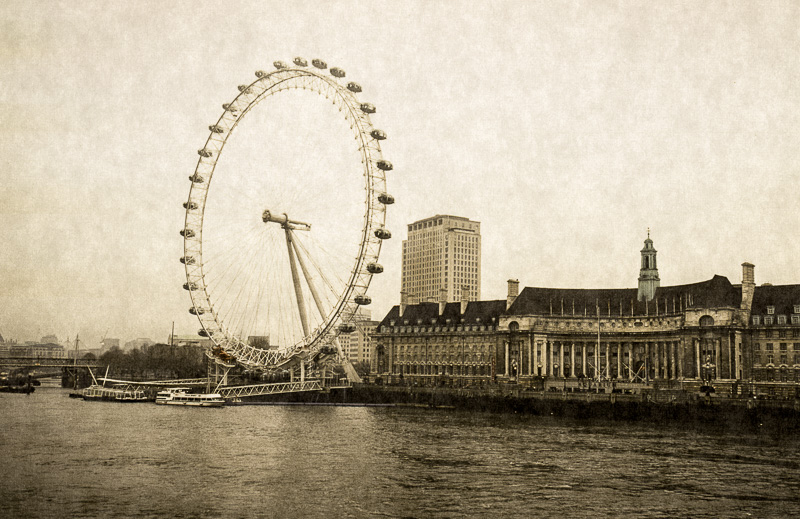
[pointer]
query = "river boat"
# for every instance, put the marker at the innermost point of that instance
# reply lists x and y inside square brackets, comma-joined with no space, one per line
[115,393]
[181,396]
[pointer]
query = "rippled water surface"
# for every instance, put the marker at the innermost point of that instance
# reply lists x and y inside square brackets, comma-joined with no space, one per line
[63,457]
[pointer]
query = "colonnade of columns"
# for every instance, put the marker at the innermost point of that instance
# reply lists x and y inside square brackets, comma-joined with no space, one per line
[622,360]
[717,357]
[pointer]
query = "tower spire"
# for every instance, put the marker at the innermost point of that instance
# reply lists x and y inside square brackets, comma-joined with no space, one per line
[648,274]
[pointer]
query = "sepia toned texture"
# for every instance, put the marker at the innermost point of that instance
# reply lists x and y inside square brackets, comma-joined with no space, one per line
[565,128]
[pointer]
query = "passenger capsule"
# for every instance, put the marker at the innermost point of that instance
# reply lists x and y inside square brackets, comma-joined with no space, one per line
[190,205]
[337,72]
[197,179]
[245,89]
[368,108]
[196,311]
[362,300]
[386,199]
[260,74]
[347,327]
[216,129]
[354,87]
[374,268]
[319,63]
[384,165]
[204,153]
[378,134]
[190,286]
[280,65]
[203,333]
[300,62]
[187,233]
[187,260]
[383,233]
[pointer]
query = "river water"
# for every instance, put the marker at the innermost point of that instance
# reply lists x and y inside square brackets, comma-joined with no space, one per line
[64,457]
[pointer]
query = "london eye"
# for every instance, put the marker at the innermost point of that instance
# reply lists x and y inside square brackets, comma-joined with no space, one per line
[283,231]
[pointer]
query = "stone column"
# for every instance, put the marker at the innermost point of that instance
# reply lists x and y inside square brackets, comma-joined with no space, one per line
[550,347]
[656,361]
[737,352]
[608,360]
[545,364]
[530,355]
[572,369]
[630,360]
[619,360]
[647,362]
[505,344]
[561,359]
[681,357]
[665,352]
[583,358]
[718,359]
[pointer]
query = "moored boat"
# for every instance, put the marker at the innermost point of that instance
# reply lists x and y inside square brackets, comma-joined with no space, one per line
[116,393]
[180,396]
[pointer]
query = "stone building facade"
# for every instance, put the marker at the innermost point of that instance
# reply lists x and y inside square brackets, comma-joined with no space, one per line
[711,333]
[422,342]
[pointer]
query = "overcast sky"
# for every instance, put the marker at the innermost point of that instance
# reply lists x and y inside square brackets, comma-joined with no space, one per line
[565,128]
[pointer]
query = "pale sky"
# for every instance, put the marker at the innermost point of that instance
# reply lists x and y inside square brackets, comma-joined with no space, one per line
[565,128]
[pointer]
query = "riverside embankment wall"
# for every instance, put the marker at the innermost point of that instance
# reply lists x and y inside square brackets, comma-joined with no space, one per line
[660,406]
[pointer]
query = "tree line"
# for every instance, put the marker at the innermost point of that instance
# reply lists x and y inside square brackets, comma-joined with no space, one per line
[157,361]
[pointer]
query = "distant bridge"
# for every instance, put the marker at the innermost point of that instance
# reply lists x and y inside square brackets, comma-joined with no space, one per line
[46,362]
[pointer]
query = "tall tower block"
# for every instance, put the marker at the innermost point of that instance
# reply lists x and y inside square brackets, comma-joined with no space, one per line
[441,255]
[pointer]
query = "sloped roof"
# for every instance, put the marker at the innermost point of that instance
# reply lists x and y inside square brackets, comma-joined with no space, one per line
[782,297]
[477,312]
[716,292]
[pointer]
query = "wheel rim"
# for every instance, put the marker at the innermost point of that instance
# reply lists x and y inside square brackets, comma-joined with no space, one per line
[215,323]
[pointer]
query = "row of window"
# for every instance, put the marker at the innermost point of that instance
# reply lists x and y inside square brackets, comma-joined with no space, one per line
[770,319]
[782,334]
[770,359]
[783,346]
[771,309]
[417,329]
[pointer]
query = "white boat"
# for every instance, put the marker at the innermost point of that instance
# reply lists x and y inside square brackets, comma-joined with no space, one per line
[180,396]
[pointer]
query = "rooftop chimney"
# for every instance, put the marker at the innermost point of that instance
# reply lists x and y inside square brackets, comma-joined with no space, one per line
[513,292]
[442,300]
[464,298]
[748,287]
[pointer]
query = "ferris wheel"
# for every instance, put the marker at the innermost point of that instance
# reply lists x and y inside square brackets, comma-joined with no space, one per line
[280,249]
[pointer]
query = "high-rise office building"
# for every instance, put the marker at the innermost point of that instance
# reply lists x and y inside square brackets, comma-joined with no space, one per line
[441,255]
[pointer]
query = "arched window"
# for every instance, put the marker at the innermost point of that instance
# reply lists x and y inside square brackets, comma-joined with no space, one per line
[706,320]
[513,326]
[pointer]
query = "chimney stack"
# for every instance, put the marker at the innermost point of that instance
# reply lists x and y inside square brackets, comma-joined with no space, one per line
[748,287]
[464,298]
[403,303]
[513,292]
[442,300]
